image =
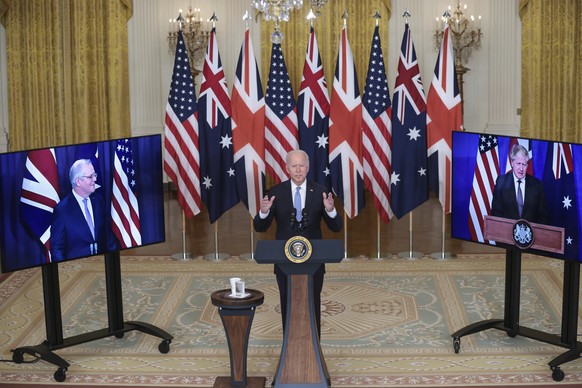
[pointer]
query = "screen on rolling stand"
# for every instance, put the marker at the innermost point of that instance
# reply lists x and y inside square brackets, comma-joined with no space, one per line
[42,221]
[479,161]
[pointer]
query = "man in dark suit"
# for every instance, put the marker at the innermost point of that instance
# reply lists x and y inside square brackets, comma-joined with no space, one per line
[518,195]
[314,204]
[80,226]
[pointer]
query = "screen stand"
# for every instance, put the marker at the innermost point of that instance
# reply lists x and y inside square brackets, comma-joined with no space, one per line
[54,324]
[510,322]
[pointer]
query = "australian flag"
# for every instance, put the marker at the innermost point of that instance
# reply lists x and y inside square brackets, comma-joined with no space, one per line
[217,172]
[560,189]
[313,115]
[409,181]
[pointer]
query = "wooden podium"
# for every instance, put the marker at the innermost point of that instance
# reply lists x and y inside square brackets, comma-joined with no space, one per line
[547,239]
[301,362]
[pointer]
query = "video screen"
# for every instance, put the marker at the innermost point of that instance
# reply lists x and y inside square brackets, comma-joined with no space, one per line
[505,179]
[80,200]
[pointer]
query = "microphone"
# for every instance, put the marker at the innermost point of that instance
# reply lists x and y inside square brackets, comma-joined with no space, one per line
[293,218]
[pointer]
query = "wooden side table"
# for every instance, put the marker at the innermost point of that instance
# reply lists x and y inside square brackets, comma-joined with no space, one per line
[237,316]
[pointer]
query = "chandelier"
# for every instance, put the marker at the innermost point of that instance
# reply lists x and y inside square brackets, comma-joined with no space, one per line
[195,32]
[465,33]
[279,11]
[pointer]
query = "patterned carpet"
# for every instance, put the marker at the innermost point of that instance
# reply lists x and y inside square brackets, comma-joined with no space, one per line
[385,322]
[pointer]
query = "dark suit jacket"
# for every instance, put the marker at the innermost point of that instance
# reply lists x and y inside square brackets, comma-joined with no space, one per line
[504,204]
[282,209]
[70,235]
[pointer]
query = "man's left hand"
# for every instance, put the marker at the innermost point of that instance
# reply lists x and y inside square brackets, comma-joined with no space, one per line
[328,202]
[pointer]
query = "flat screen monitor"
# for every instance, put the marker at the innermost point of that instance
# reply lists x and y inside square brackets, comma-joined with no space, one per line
[553,183]
[43,221]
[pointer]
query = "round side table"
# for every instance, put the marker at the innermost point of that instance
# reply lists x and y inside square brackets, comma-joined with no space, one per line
[237,316]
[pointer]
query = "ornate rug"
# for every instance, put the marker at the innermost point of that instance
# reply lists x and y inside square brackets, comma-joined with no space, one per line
[385,322]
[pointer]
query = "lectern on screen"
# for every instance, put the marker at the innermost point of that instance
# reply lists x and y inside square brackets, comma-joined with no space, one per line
[479,159]
[33,182]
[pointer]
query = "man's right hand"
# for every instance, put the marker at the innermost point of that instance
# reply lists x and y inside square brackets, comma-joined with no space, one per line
[266,204]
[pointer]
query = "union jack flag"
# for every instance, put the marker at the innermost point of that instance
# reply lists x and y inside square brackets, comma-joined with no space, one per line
[39,195]
[281,132]
[219,191]
[124,205]
[444,115]
[377,133]
[486,173]
[182,155]
[248,122]
[345,132]
[313,113]
[409,180]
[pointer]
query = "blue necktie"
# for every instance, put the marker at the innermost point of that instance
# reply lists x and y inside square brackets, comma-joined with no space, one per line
[297,203]
[519,197]
[89,218]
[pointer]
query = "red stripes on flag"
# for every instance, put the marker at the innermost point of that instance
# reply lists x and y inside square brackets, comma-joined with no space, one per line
[124,206]
[182,153]
[281,126]
[377,132]
[486,173]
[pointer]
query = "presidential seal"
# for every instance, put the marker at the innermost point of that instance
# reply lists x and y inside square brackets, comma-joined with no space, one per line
[298,249]
[523,235]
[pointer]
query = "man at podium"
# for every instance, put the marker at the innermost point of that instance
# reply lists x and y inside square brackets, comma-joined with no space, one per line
[298,206]
[518,195]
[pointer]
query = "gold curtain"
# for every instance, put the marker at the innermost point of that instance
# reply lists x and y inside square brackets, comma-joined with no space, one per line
[67,69]
[327,28]
[551,69]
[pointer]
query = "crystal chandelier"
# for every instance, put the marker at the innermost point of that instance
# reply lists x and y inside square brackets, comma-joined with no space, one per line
[195,32]
[277,10]
[465,33]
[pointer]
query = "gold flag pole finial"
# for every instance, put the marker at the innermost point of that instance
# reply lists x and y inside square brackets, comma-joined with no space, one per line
[377,16]
[311,17]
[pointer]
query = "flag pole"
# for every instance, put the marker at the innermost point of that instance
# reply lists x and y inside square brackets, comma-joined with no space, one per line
[442,255]
[183,255]
[345,235]
[216,256]
[411,255]
[251,254]
[378,236]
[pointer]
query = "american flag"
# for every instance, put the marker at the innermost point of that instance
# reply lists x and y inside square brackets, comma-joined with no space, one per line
[124,205]
[444,115]
[219,191]
[345,132]
[281,133]
[409,180]
[377,132]
[39,195]
[182,155]
[559,180]
[313,113]
[486,173]
[248,122]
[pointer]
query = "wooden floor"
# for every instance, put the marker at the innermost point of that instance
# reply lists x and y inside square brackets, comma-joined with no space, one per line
[421,231]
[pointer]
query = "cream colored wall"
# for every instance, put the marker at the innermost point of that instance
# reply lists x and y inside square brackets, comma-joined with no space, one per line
[492,86]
